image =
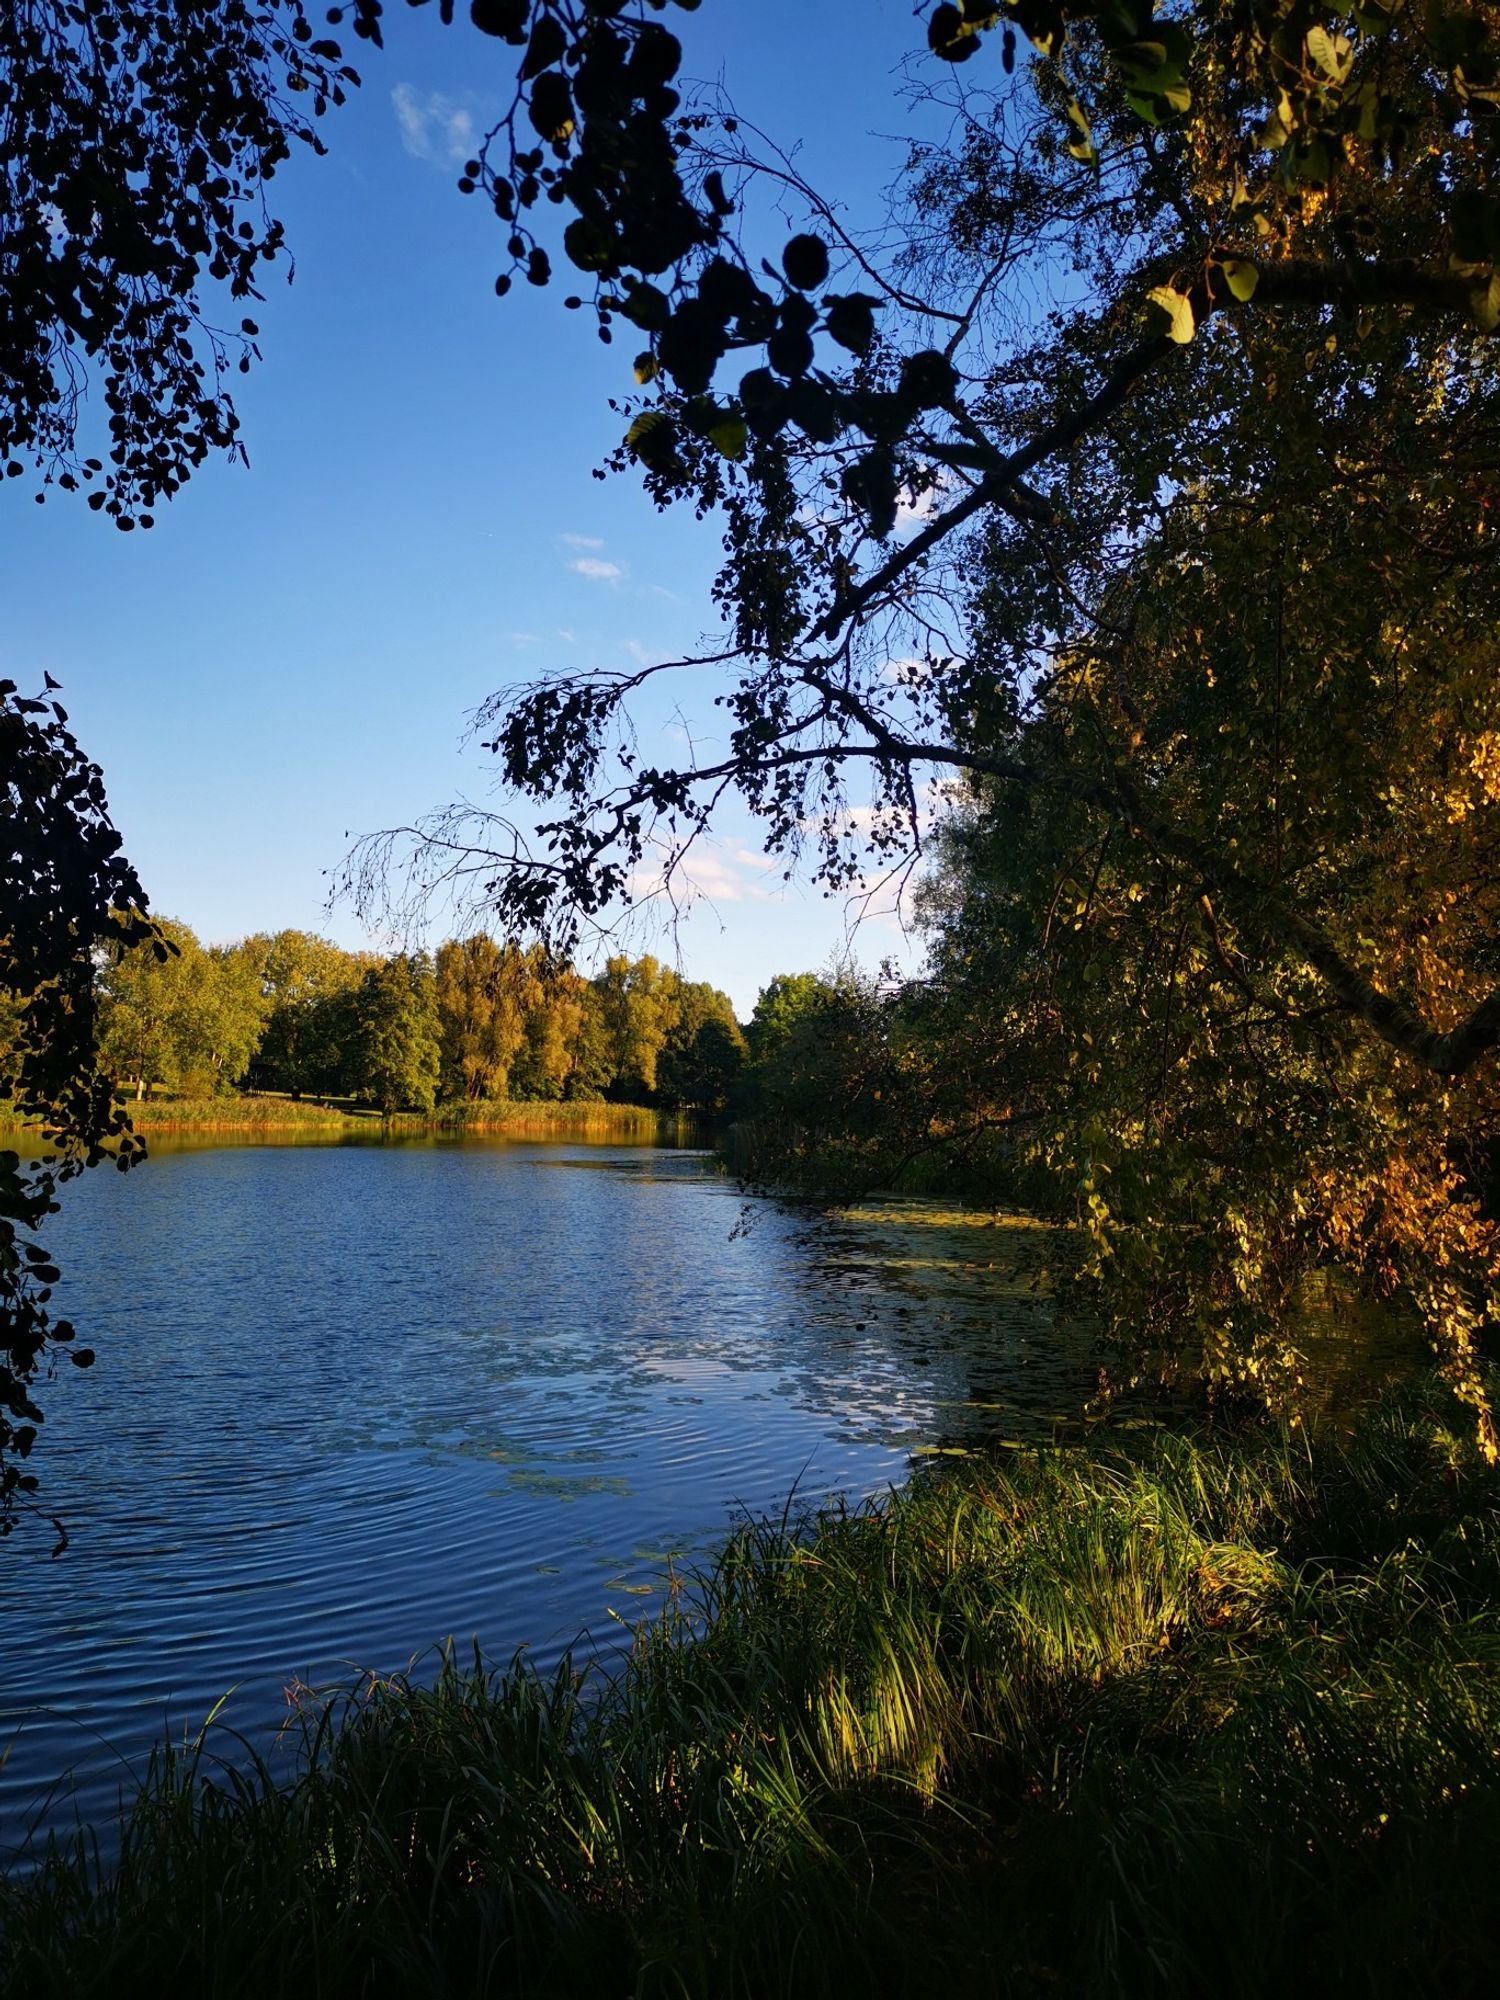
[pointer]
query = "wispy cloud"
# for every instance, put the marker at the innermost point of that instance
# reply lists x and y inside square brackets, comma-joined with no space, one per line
[703,875]
[438,129]
[581,541]
[597,571]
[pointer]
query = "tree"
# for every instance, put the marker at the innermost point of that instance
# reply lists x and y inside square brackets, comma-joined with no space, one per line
[306,982]
[1236,458]
[781,1006]
[191,1022]
[486,995]
[703,1052]
[400,1056]
[640,1008]
[547,1065]
[66,893]
[135,148]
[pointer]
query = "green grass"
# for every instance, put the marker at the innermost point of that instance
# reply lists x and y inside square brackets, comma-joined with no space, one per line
[1158,1715]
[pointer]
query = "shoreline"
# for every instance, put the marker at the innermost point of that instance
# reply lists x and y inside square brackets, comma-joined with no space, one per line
[265,1116]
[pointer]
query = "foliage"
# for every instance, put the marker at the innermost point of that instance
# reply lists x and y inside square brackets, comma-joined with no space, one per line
[1138,473]
[1126,1718]
[66,892]
[308,984]
[396,1026]
[191,1021]
[136,142]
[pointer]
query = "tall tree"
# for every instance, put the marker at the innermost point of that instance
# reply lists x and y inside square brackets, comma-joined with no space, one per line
[400,1053]
[1139,473]
[486,995]
[306,980]
[191,1021]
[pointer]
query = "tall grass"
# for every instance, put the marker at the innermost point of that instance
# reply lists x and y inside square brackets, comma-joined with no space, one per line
[236,1115]
[1170,1716]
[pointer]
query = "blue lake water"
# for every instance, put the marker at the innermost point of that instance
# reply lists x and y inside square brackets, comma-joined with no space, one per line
[352,1400]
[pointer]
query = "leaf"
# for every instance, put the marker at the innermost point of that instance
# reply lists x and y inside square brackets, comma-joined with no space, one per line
[851,321]
[505,19]
[1333,55]
[1241,276]
[1082,148]
[805,261]
[653,438]
[1170,312]
[730,435]
[548,44]
[588,244]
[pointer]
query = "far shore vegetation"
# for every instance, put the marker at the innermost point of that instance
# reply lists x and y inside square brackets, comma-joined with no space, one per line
[249,1114]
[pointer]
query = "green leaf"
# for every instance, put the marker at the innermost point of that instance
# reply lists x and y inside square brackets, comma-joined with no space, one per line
[730,435]
[653,438]
[1241,276]
[1332,55]
[1170,312]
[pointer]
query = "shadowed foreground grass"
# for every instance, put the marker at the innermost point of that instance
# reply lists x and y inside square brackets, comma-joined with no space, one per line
[1161,1716]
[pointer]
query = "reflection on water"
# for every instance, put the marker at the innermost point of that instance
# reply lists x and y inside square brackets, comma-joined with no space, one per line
[351,1400]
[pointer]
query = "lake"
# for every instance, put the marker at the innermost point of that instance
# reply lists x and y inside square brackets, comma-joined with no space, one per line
[351,1400]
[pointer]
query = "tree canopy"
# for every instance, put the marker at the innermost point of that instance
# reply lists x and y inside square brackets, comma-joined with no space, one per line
[1136,481]
[1137,478]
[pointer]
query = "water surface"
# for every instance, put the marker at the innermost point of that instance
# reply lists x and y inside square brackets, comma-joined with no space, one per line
[351,1400]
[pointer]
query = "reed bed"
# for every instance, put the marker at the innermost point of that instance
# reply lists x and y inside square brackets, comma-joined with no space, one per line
[1155,1715]
[251,1116]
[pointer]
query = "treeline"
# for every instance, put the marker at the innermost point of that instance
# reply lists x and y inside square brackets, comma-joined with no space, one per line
[479,1021]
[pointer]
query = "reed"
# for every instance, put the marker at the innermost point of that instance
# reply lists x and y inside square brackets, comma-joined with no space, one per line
[251,1116]
[1156,1715]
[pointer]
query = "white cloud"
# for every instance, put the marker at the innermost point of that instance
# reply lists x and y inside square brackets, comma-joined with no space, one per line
[581,541]
[907,672]
[915,510]
[597,571]
[704,875]
[639,654]
[435,128]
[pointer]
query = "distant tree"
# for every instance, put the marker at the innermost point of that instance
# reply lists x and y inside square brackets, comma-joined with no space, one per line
[309,1032]
[400,1054]
[545,1067]
[229,1018]
[703,1053]
[640,1007]
[781,1007]
[593,1067]
[486,993]
[151,1010]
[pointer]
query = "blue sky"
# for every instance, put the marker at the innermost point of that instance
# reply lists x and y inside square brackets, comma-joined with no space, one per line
[286,661]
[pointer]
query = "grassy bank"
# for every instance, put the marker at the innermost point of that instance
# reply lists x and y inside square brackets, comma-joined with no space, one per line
[1178,1716]
[251,1116]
